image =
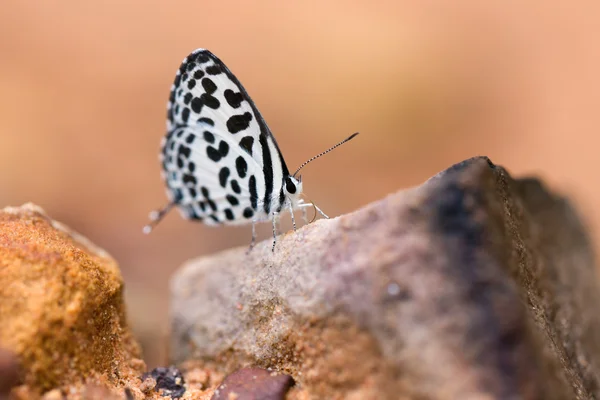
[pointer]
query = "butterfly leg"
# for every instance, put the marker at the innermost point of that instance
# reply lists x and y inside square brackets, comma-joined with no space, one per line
[302,206]
[253,242]
[274,219]
[291,207]
[305,215]
[320,211]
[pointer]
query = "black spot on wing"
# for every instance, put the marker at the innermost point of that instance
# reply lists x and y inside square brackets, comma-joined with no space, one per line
[196,105]
[209,137]
[212,204]
[207,121]
[189,179]
[183,151]
[235,186]
[214,70]
[253,192]
[248,212]
[229,214]
[246,144]
[205,192]
[223,148]
[223,175]
[202,57]
[210,101]
[213,154]
[232,200]
[185,114]
[241,166]
[209,201]
[239,122]
[233,99]
[208,85]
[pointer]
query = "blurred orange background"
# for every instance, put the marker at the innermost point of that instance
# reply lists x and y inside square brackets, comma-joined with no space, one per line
[84,87]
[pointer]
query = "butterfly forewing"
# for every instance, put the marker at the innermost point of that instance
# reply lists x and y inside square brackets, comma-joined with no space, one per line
[220,161]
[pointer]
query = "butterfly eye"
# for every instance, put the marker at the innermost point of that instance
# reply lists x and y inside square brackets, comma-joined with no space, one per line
[290,187]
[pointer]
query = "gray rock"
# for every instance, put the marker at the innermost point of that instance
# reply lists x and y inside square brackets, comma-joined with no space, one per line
[472,285]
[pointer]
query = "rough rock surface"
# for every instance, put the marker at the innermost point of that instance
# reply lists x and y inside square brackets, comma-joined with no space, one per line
[61,307]
[472,285]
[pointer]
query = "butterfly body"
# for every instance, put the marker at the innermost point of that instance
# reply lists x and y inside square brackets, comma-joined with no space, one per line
[220,161]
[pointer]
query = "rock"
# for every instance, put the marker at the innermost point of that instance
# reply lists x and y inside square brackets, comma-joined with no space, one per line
[254,384]
[61,307]
[472,285]
[167,381]
[9,372]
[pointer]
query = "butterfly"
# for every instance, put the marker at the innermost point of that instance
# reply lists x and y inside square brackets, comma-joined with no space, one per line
[220,161]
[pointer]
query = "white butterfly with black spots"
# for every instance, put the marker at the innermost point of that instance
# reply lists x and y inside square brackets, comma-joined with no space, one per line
[221,163]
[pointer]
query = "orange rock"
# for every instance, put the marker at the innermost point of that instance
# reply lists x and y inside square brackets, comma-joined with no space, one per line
[61,305]
[9,371]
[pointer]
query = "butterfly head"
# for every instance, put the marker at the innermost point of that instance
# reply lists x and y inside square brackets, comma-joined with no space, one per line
[292,188]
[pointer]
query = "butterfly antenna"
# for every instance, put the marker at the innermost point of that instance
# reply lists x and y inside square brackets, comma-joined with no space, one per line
[325,152]
[156,216]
